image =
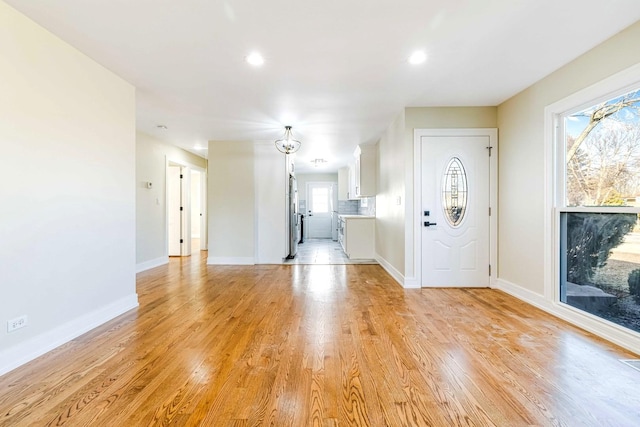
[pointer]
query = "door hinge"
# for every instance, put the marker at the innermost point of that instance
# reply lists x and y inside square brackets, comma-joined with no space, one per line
[181,208]
[181,176]
[181,241]
[489,148]
[489,210]
[489,270]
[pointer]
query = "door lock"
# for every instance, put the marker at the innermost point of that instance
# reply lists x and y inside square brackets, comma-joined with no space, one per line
[428,224]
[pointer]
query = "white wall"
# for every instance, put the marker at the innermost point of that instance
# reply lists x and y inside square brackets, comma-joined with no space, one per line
[231,202]
[271,186]
[151,210]
[67,220]
[390,217]
[247,203]
[521,163]
[196,192]
[436,118]
[394,223]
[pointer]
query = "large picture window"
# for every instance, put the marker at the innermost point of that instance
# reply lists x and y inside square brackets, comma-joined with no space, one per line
[599,202]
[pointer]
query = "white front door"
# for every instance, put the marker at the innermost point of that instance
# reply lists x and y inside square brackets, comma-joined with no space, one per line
[319,207]
[455,221]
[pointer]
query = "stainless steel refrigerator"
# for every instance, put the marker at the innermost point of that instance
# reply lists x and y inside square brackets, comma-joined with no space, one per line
[294,217]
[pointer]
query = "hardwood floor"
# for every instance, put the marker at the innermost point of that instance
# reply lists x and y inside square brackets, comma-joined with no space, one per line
[322,345]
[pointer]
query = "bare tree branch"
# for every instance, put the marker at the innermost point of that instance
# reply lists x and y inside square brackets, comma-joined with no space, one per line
[601,112]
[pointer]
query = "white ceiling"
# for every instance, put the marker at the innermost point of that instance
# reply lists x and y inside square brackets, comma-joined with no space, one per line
[335,70]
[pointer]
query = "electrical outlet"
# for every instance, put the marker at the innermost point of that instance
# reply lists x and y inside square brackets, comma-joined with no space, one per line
[17,323]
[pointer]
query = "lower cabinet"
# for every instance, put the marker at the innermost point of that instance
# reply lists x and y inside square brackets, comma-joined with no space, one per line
[358,239]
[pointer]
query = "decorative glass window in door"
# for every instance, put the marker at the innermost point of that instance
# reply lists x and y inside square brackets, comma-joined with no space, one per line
[454,192]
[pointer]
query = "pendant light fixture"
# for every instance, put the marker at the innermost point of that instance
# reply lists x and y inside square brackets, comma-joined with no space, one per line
[287,144]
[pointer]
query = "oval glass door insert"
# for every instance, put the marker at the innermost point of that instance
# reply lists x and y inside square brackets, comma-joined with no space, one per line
[454,192]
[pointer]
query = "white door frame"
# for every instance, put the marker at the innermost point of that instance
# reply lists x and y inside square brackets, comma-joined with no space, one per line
[181,226]
[329,184]
[492,133]
[187,211]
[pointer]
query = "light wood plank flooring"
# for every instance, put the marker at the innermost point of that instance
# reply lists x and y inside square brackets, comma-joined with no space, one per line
[322,345]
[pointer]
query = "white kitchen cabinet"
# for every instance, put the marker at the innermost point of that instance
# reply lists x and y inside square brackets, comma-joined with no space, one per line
[347,183]
[343,183]
[357,236]
[351,195]
[364,170]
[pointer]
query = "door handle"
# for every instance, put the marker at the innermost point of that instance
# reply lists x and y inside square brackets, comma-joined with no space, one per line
[428,224]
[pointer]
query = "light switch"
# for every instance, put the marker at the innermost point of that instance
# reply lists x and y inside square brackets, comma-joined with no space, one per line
[399,200]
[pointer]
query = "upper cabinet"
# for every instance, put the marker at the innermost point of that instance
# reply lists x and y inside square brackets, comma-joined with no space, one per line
[343,183]
[359,178]
[347,183]
[364,170]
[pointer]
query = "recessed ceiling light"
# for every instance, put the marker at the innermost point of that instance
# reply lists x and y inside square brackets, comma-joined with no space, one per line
[255,59]
[199,147]
[417,57]
[163,127]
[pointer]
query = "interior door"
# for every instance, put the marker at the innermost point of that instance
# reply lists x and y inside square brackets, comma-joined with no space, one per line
[455,181]
[319,206]
[178,210]
[174,202]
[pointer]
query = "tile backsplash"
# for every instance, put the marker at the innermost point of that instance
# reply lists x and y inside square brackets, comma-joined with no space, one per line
[349,207]
[367,206]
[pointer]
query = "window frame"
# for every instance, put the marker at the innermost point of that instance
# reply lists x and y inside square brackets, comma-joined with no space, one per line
[555,202]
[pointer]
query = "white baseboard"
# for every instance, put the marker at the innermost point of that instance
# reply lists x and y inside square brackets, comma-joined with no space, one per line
[405,282]
[214,260]
[152,263]
[32,348]
[623,337]
[523,294]
[393,272]
[411,283]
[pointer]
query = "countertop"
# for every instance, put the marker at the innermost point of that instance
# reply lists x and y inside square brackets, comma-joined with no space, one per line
[356,216]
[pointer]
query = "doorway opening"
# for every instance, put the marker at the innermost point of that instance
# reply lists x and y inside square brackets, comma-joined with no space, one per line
[186,204]
[321,206]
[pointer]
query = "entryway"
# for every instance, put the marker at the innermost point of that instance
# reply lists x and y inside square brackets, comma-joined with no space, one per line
[320,207]
[186,202]
[456,184]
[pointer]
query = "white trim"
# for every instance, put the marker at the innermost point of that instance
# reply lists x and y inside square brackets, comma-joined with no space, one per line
[30,349]
[523,294]
[393,272]
[492,134]
[215,260]
[599,209]
[152,263]
[405,282]
[608,88]
[623,337]
[411,283]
